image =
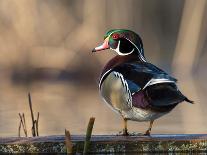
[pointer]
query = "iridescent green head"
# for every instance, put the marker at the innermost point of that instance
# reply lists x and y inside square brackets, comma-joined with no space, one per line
[124,42]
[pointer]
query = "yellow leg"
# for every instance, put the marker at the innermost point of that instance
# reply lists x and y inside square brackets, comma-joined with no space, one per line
[125,130]
[147,133]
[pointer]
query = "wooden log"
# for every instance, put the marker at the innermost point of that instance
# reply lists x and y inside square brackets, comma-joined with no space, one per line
[107,144]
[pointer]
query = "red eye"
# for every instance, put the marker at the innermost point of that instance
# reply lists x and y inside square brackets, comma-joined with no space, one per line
[115,36]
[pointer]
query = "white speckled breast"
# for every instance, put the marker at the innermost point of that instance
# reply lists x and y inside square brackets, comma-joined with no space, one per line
[115,92]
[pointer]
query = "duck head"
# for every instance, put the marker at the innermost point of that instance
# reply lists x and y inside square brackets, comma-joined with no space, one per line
[123,42]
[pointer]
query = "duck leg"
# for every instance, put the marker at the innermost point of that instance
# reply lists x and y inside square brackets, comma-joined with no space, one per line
[125,130]
[147,133]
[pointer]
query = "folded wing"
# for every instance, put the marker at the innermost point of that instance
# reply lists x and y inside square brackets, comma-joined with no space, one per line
[150,86]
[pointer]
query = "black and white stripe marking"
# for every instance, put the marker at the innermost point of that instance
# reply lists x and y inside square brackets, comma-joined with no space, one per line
[125,86]
[156,81]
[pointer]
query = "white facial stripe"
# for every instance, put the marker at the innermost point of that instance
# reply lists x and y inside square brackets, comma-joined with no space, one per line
[118,51]
[140,54]
[118,46]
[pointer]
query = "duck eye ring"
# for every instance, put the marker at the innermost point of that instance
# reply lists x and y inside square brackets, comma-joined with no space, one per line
[115,36]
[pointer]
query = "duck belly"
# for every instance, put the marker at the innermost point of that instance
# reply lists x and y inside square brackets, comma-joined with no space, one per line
[141,115]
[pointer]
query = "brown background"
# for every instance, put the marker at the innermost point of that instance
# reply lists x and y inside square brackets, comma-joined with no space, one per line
[45,48]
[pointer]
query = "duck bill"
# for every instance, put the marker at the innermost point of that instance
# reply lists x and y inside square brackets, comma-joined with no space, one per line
[104,46]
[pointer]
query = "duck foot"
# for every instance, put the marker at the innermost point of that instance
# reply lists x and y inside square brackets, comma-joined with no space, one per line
[123,133]
[125,130]
[147,133]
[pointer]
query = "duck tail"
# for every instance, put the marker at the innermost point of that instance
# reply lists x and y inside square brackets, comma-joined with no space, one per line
[189,101]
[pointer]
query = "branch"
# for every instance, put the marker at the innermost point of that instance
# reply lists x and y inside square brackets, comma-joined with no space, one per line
[37,123]
[32,116]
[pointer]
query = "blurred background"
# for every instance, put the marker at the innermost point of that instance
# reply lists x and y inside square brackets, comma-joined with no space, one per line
[45,49]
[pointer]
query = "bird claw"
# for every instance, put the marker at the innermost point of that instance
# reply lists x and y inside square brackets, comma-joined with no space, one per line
[147,133]
[123,133]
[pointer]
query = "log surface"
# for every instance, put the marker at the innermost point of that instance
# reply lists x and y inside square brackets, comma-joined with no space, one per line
[107,143]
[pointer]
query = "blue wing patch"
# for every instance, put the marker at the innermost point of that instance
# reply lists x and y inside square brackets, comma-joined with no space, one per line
[133,87]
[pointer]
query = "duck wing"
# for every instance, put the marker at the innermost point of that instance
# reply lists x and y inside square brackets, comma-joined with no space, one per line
[163,96]
[141,75]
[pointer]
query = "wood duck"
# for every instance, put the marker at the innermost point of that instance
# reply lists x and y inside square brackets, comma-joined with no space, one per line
[133,87]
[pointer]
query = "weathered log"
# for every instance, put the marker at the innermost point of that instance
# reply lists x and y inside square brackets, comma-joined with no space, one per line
[107,144]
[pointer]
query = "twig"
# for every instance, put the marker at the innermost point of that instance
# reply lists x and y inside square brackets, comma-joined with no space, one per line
[36,124]
[88,135]
[19,130]
[68,143]
[32,116]
[21,122]
[24,126]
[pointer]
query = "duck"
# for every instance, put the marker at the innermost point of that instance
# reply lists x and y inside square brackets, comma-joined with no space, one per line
[133,87]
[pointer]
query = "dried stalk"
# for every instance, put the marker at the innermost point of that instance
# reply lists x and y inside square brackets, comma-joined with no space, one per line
[88,135]
[22,124]
[19,130]
[37,123]
[68,143]
[32,116]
